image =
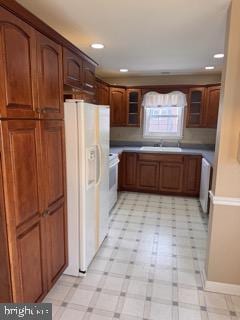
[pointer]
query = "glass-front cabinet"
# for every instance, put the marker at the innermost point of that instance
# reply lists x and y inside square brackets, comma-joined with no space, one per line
[134,99]
[196,102]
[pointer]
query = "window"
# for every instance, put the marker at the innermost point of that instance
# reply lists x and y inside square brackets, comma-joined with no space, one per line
[163,122]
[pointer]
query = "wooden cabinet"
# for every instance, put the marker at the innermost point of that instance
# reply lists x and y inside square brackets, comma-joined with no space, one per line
[171,177]
[203,105]
[25,225]
[88,76]
[133,107]
[33,251]
[73,69]
[196,101]
[54,203]
[17,74]
[147,175]
[5,279]
[128,170]
[50,80]
[102,93]
[211,107]
[34,180]
[118,107]
[160,173]
[192,174]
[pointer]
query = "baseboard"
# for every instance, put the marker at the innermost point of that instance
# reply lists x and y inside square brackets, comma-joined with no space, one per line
[220,287]
[224,201]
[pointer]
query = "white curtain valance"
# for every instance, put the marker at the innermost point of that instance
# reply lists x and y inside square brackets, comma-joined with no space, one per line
[172,99]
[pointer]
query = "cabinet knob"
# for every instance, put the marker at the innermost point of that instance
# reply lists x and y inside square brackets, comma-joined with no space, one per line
[45,213]
[38,110]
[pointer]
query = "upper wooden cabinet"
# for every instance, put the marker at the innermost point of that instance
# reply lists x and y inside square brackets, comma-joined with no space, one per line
[118,107]
[73,69]
[102,93]
[88,76]
[50,80]
[133,107]
[196,100]
[212,107]
[203,105]
[17,68]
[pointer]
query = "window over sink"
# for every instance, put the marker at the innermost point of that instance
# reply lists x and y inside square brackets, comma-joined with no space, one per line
[163,122]
[164,115]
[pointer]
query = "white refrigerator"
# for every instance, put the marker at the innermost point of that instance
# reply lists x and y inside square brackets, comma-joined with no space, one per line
[87,129]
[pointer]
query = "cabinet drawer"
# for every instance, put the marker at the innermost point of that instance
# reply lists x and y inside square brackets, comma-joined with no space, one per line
[160,157]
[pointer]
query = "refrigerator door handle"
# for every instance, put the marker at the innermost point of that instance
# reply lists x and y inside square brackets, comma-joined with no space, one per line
[99,164]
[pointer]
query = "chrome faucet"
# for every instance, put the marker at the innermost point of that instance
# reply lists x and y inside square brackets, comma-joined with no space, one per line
[160,144]
[179,144]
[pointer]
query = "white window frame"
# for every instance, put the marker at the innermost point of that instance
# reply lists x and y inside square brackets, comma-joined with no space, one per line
[154,135]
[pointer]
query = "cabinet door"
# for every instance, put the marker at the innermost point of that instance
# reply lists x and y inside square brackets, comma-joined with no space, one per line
[88,77]
[171,177]
[25,223]
[192,174]
[5,280]
[50,81]
[195,112]
[73,69]
[133,107]
[129,170]
[212,106]
[102,94]
[147,175]
[88,97]
[118,107]
[17,68]
[54,173]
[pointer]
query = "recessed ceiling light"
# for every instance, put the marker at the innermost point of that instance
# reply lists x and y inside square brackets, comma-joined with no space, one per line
[123,70]
[209,67]
[97,46]
[218,56]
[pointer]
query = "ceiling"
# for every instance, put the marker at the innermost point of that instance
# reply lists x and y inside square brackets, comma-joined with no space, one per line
[147,37]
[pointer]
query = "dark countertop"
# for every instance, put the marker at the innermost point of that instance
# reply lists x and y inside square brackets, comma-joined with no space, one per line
[207,154]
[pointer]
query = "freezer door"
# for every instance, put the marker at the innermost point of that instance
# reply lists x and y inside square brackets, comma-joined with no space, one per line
[103,183]
[88,163]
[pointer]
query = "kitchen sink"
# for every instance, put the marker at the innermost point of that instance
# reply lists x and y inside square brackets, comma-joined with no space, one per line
[161,149]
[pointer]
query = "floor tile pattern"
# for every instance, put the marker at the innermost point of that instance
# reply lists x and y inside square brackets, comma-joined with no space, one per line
[148,268]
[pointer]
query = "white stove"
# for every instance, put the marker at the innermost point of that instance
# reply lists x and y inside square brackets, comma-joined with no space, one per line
[113,178]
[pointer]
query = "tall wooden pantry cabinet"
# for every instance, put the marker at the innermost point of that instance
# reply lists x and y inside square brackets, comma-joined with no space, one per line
[33,220]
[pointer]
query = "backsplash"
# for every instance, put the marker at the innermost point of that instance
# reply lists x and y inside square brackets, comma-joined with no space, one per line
[190,135]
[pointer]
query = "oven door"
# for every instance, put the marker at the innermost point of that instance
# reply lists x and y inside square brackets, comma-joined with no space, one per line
[113,182]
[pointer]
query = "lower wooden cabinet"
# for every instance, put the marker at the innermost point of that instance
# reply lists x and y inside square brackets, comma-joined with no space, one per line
[160,173]
[5,282]
[33,183]
[147,175]
[128,170]
[171,177]
[192,175]
[53,153]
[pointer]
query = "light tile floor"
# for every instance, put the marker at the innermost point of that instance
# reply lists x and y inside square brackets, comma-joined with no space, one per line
[148,268]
